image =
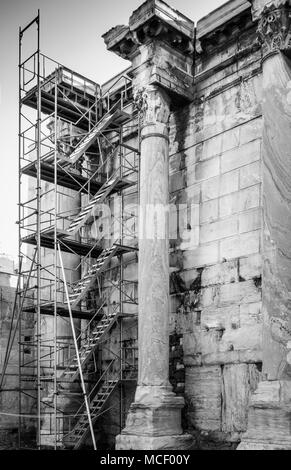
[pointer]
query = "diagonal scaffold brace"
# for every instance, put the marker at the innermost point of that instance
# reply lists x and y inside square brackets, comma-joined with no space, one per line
[77,352]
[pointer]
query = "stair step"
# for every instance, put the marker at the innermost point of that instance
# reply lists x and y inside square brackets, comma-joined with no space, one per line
[87,209]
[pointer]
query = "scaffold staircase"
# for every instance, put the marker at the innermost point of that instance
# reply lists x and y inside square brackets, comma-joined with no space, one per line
[88,347]
[107,188]
[86,283]
[98,397]
[116,116]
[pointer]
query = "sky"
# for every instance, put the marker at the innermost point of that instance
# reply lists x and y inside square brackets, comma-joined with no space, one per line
[70,34]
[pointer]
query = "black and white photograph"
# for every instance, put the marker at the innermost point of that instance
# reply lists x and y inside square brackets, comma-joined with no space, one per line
[145,229]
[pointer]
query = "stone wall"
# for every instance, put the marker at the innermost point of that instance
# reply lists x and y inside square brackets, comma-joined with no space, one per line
[216,225]
[215,168]
[9,397]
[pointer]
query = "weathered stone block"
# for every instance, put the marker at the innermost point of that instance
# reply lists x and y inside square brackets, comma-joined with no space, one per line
[203,396]
[191,344]
[250,175]
[210,296]
[220,185]
[249,221]
[202,170]
[243,245]
[269,417]
[250,314]
[184,226]
[249,198]
[230,139]
[192,194]
[220,317]
[245,338]
[154,421]
[228,205]
[130,442]
[210,147]
[177,162]
[177,181]
[222,273]
[201,256]
[189,276]
[251,131]
[241,292]
[210,189]
[250,267]
[240,156]
[229,182]
[239,381]
[209,211]
[221,229]
[185,322]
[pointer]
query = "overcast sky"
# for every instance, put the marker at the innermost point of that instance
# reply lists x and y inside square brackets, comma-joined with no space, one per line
[71,34]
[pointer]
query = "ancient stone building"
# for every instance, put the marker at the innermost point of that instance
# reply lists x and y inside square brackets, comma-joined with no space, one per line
[8,399]
[9,420]
[211,257]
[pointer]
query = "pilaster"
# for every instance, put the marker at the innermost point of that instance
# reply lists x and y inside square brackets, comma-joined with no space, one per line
[269,413]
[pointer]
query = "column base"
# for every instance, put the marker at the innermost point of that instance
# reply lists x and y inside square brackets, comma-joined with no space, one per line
[154,422]
[269,422]
[131,442]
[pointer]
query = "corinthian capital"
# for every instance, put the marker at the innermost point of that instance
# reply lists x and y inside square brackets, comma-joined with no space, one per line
[274,27]
[153,104]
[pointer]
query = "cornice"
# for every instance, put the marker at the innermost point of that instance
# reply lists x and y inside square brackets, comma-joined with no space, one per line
[153,20]
[223,26]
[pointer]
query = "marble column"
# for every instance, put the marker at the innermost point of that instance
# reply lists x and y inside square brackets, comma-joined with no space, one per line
[153,295]
[154,419]
[269,415]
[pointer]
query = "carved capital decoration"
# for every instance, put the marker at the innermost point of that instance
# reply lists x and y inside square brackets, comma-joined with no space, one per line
[139,100]
[274,29]
[153,105]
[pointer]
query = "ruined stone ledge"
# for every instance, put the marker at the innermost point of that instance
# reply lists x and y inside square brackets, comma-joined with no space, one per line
[228,357]
[173,85]
[248,444]
[165,13]
[222,88]
[210,90]
[220,16]
[269,417]
[272,394]
[222,65]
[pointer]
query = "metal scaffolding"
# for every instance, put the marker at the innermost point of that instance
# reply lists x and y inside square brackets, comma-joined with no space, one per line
[79,144]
